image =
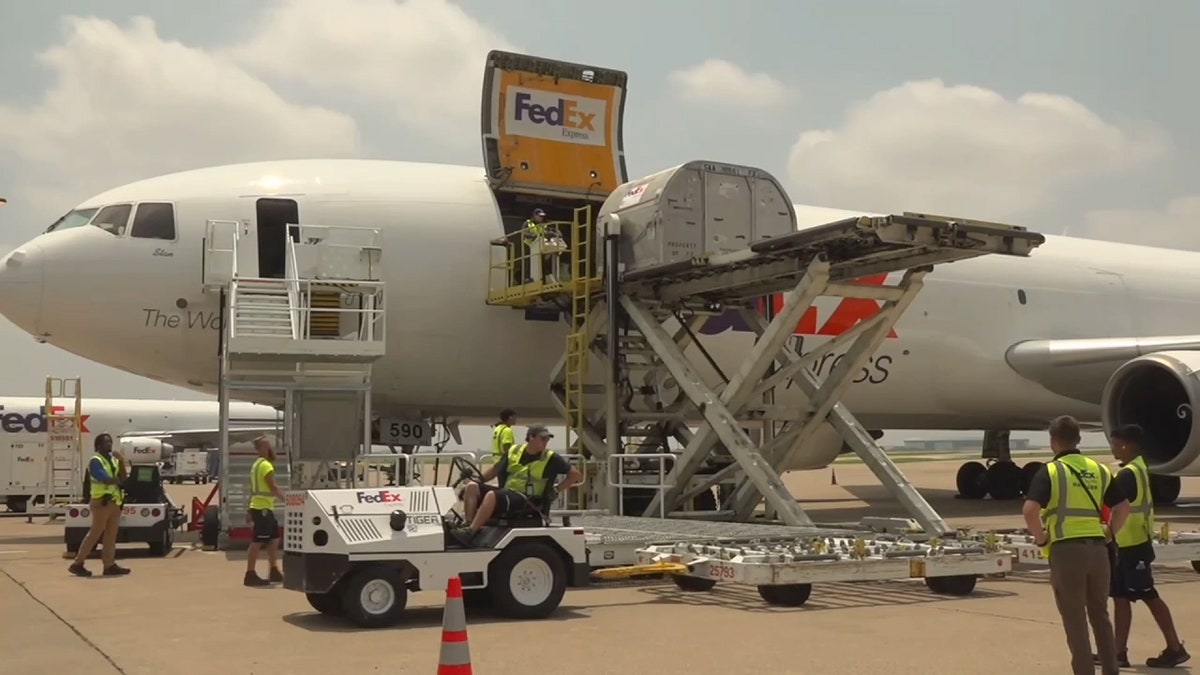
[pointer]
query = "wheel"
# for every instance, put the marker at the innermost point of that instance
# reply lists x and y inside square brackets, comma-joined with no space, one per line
[211,530]
[1005,480]
[1164,489]
[375,597]
[163,546]
[693,584]
[786,595]
[329,604]
[1196,565]
[959,584]
[971,480]
[1030,470]
[17,504]
[527,580]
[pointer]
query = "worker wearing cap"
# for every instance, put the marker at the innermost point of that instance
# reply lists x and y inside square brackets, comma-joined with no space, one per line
[1064,514]
[502,435]
[527,482]
[533,232]
[1131,576]
[106,472]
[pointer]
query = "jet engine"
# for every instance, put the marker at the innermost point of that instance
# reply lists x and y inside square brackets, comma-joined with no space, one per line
[1159,392]
[145,449]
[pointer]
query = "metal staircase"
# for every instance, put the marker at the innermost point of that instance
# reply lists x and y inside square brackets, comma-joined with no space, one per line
[64,444]
[305,343]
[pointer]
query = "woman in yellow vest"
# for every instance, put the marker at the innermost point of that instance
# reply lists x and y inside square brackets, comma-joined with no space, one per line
[1131,578]
[1063,513]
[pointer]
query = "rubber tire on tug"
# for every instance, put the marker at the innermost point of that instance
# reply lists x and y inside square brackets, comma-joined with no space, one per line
[329,604]
[211,530]
[1005,480]
[693,584]
[971,480]
[161,548]
[785,595]
[959,584]
[501,580]
[357,612]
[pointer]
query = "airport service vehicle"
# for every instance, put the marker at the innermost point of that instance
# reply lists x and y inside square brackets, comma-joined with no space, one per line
[188,465]
[147,516]
[1102,331]
[357,554]
[147,430]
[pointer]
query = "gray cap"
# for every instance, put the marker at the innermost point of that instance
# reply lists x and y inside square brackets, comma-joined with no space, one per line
[538,430]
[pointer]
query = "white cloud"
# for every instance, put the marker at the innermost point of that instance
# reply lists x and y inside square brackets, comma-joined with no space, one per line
[127,104]
[719,82]
[423,57]
[1174,226]
[965,150]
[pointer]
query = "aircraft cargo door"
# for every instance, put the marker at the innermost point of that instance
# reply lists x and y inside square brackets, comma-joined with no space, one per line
[552,128]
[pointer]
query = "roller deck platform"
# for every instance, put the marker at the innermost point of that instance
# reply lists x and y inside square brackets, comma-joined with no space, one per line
[1169,547]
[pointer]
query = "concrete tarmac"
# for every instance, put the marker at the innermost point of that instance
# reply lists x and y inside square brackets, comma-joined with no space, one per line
[188,613]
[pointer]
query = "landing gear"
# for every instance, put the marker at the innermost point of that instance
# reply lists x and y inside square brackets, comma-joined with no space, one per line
[1000,477]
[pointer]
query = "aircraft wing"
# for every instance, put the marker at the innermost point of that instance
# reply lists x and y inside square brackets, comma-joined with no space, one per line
[192,438]
[1080,368]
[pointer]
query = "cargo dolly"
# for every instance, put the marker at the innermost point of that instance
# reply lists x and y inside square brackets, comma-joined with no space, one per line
[1169,547]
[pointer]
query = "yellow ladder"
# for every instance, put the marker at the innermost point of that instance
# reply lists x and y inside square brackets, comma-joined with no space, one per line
[64,443]
[582,278]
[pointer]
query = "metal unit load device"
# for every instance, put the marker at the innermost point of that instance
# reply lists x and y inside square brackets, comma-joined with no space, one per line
[357,553]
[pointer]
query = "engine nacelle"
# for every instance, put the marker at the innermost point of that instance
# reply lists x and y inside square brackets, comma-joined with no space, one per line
[1159,392]
[145,450]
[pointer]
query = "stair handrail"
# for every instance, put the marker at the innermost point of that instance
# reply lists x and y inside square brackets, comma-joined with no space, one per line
[292,281]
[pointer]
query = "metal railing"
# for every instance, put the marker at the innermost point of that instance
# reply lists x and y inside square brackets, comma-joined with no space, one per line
[517,268]
[619,473]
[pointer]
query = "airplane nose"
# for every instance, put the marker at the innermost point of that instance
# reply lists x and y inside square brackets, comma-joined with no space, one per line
[21,285]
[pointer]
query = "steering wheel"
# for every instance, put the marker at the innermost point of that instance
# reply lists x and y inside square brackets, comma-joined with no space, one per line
[467,470]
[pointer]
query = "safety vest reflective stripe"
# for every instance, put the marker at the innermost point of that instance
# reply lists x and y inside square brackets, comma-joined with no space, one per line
[527,478]
[1061,509]
[254,486]
[97,489]
[1140,524]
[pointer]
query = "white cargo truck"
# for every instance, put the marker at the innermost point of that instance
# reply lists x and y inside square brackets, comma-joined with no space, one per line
[187,465]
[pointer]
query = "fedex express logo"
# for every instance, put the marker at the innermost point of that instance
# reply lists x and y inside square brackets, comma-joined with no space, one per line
[550,116]
[380,497]
[32,423]
[848,313]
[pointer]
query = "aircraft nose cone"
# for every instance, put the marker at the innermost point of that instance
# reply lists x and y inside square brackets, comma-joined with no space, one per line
[21,285]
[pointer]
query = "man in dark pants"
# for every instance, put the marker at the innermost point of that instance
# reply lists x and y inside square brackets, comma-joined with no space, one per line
[1063,513]
[1131,577]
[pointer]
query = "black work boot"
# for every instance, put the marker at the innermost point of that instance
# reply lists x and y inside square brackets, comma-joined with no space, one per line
[1122,658]
[79,570]
[276,577]
[252,579]
[1169,658]
[115,570]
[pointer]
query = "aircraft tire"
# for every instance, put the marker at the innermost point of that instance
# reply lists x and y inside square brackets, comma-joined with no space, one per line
[1030,470]
[1164,489]
[1005,480]
[971,480]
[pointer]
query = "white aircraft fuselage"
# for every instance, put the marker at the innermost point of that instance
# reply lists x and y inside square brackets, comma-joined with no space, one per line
[137,303]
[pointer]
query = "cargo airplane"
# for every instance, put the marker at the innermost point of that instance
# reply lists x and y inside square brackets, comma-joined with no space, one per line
[1102,331]
[146,430]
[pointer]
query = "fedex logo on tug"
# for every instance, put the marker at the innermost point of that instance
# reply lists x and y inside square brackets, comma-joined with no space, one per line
[32,423]
[379,497]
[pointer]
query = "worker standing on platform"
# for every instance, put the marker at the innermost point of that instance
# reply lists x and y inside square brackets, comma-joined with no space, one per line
[502,435]
[1131,576]
[533,232]
[106,471]
[263,492]
[1063,513]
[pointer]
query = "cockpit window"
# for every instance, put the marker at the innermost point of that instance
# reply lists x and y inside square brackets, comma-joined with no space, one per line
[154,220]
[77,218]
[113,219]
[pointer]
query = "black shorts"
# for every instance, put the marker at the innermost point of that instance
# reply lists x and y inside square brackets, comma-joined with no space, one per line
[1132,578]
[508,502]
[266,527]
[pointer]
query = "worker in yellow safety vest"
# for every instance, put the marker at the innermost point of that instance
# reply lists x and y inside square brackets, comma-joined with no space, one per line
[106,472]
[502,434]
[1132,579]
[534,230]
[261,513]
[1063,513]
[527,476]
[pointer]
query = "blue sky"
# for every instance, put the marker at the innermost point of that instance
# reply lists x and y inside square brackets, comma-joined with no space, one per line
[1071,116]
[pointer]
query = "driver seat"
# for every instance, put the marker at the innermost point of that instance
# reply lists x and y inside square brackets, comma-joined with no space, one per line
[530,515]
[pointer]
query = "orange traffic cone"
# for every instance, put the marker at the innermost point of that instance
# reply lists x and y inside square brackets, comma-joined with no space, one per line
[455,658]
